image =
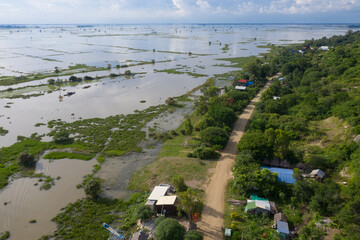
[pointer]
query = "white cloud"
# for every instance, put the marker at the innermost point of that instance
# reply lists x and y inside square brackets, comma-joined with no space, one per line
[203,4]
[307,6]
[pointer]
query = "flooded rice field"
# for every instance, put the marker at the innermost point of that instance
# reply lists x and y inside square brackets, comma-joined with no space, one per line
[23,201]
[146,49]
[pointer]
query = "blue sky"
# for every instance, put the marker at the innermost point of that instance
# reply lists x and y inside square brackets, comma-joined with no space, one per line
[179,11]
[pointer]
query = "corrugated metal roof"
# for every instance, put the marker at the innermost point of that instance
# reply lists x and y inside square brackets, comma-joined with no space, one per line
[249,206]
[240,87]
[257,204]
[166,200]
[318,172]
[282,227]
[284,174]
[158,192]
[254,196]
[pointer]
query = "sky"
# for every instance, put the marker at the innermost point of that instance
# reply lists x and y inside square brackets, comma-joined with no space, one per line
[178,11]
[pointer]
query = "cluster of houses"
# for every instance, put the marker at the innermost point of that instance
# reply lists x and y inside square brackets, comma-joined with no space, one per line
[242,84]
[257,205]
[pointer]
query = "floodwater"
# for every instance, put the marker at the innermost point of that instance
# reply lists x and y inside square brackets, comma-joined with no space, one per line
[38,49]
[25,201]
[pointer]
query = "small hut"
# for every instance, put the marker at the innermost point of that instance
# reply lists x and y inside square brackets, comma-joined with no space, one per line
[318,174]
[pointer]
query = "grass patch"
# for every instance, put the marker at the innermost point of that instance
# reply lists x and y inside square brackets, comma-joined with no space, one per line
[238,62]
[175,71]
[69,155]
[3,131]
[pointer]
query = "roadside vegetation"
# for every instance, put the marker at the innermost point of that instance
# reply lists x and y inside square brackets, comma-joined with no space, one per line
[306,120]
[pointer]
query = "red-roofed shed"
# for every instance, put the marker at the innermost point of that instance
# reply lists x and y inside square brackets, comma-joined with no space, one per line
[242,81]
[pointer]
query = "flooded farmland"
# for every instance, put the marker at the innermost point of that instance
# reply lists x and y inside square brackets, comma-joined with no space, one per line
[145,50]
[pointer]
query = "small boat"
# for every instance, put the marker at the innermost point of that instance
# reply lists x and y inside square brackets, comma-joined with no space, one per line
[69,93]
[85,87]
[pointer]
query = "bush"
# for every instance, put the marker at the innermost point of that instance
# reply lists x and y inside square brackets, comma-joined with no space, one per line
[169,229]
[5,235]
[194,235]
[92,188]
[205,153]
[222,115]
[170,101]
[62,137]
[158,220]
[206,121]
[27,160]
[144,212]
[179,183]
[188,127]
[214,136]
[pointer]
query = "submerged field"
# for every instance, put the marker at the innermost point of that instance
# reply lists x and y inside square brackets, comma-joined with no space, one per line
[110,112]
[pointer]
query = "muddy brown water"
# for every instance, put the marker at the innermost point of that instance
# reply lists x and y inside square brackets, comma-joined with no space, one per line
[26,201]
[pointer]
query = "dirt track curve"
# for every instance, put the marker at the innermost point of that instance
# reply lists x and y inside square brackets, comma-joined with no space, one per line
[213,214]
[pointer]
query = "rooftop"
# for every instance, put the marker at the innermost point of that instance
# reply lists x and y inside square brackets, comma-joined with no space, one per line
[166,200]
[158,192]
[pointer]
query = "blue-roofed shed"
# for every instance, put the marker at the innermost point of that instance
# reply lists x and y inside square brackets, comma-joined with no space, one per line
[284,174]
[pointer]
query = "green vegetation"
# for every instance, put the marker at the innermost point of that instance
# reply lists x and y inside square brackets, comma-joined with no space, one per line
[9,163]
[69,155]
[78,68]
[3,131]
[175,71]
[311,124]
[92,188]
[114,135]
[238,62]
[5,235]
[169,229]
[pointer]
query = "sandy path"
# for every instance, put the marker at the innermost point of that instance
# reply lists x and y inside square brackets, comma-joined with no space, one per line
[213,213]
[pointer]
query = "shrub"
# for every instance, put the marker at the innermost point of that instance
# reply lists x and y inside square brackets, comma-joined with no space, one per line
[222,115]
[188,127]
[169,229]
[170,101]
[205,153]
[206,121]
[144,212]
[26,160]
[92,188]
[194,235]
[159,220]
[62,137]
[214,136]
[179,183]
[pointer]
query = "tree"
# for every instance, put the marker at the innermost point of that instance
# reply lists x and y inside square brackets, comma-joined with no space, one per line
[62,137]
[27,160]
[188,127]
[214,136]
[254,142]
[281,144]
[92,188]
[179,183]
[169,229]
[205,122]
[222,115]
[170,101]
[212,91]
[190,202]
[194,235]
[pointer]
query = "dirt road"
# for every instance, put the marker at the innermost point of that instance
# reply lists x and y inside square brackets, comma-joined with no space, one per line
[213,213]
